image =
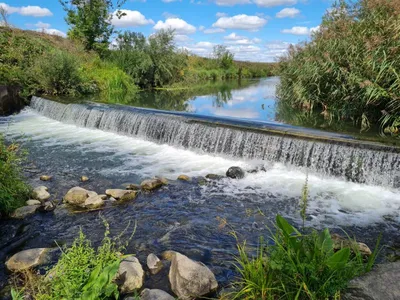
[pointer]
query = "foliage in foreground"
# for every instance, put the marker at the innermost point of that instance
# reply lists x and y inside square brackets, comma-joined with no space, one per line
[13,189]
[350,70]
[298,266]
[82,272]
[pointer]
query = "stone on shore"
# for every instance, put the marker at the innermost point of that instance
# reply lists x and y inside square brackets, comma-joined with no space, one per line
[235,173]
[76,196]
[340,242]
[24,211]
[155,294]
[40,193]
[381,283]
[27,259]
[184,178]
[190,279]
[130,274]
[154,263]
[33,202]
[151,184]
[45,178]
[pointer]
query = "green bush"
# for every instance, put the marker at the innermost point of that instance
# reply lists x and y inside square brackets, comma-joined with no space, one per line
[349,71]
[298,266]
[13,189]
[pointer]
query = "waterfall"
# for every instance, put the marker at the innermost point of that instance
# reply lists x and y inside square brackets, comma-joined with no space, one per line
[340,157]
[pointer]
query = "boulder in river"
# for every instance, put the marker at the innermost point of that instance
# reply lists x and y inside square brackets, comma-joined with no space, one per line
[235,173]
[119,193]
[214,176]
[24,211]
[151,184]
[45,178]
[130,275]
[27,259]
[190,279]
[33,202]
[10,100]
[84,178]
[381,283]
[40,193]
[154,263]
[94,202]
[184,178]
[134,187]
[76,196]
[155,294]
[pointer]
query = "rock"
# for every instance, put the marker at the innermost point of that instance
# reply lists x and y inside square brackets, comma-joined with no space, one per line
[91,194]
[235,173]
[24,211]
[117,193]
[33,202]
[184,177]
[129,196]
[190,279]
[151,184]
[10,100]
[84,178]
[94,202]
[49,206]
[340,242]
[164,181]
[214,176]
[27,259]
[76,196]
[40,193]
[130,274]
[155,294]
[154,263]
[168,255]
[381,283]
[135,187]
[45,178]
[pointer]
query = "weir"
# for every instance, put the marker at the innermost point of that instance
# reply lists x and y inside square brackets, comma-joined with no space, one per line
[320,152]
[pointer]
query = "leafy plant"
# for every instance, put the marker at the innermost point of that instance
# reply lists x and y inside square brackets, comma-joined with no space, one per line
[298,266]
[14,191]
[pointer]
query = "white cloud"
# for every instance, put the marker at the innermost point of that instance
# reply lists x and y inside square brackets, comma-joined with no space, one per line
[42,25]
[52,31]
[289,12]
[301,30]
[132,18]
[221,14]
[271,3]
[180,26]
[213,30]
[32,11]
[230,2]
[181,38]
[233,37]
[245,22]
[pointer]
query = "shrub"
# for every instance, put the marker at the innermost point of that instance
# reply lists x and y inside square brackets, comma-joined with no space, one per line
[349,71]
[298,266]
[13,189]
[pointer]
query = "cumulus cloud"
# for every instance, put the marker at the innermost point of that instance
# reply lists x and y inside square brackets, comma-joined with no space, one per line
[301,30]
[42,25]
[131,18]
[213,30]
[288,13]
[271,3]
[52,31]
[180,26]
[181,38]
[245,22]
[32,11]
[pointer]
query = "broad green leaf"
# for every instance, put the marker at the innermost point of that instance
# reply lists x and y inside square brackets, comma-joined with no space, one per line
[325,242]
[285,226]
[339,259]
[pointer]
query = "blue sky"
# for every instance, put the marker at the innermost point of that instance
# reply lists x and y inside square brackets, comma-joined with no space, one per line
[254,30]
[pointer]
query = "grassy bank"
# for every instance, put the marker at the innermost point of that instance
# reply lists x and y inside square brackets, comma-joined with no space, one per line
[13,189]
[349,71]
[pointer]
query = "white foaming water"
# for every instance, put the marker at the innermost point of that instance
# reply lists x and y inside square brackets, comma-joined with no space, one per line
[331,200]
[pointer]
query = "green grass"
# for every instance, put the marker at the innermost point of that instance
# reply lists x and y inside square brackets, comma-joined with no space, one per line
[298,266]
[350,70]
[14,191]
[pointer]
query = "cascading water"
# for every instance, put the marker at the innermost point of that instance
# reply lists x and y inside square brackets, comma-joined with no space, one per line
[346,159]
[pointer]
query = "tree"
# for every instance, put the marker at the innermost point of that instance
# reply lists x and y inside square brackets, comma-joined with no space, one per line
[223,56]
[90,21]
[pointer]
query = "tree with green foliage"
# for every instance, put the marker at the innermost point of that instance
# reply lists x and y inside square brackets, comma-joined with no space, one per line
[90,21]
[223,56]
